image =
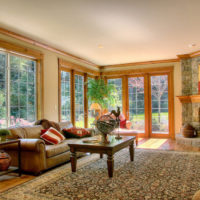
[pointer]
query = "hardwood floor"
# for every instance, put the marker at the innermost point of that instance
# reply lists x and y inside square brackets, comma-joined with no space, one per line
[12,180]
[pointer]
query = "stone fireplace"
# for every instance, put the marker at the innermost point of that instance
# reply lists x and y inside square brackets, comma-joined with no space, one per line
[190,98]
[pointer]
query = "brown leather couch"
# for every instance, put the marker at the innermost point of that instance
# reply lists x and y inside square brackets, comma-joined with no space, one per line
[36,156]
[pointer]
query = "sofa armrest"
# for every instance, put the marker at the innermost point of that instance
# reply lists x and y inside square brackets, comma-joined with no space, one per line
[28,144]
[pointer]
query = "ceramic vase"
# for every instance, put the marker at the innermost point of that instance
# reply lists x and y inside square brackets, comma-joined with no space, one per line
[5,161]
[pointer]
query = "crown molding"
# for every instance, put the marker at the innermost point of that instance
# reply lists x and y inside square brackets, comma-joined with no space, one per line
[140,63]
[189,55]
[45,46]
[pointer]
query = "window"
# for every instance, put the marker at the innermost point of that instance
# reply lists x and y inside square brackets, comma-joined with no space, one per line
[79,100]
[91,117]
[17,90]
[65,96]
[117,82]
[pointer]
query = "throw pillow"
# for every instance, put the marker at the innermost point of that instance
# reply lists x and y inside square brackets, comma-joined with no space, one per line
[76,132]
[52,136]
[123,124]
[43,131]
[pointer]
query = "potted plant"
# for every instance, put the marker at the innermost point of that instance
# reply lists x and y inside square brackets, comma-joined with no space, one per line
[102,93]
[3,134]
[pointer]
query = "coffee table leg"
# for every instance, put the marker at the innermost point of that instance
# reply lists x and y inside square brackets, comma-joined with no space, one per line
[131,150]
[110,164]
[73,161]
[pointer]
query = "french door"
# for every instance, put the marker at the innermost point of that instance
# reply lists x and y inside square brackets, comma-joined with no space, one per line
[150,104]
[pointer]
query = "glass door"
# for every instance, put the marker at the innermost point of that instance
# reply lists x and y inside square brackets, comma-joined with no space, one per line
[136,103]
[159,124]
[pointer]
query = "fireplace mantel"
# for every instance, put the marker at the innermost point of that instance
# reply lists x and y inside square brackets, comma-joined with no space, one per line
[189,99]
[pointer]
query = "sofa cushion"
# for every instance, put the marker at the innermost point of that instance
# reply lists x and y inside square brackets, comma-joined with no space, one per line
[32,131]
[53,150]
[52,136]
[17,132]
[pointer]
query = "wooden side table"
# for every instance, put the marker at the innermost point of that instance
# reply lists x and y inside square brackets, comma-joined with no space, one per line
[11,168]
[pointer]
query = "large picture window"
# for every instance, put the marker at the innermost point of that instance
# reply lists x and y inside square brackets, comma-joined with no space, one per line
[117,82]
[17,90]
[79,100]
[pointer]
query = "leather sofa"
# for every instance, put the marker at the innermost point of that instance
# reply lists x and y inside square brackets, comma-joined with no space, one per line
[36,156]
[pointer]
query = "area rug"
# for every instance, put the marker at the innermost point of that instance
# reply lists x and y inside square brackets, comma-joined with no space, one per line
[154,175]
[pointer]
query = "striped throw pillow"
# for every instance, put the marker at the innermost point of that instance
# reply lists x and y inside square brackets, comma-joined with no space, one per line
[52,136]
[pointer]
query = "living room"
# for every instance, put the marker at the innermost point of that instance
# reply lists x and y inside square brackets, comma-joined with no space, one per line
[149,50]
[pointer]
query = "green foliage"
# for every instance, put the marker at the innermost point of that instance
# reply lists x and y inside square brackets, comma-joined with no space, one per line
[101,93]
[2,106]
[4,132]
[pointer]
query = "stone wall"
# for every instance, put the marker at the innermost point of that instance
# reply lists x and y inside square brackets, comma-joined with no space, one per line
[190,73]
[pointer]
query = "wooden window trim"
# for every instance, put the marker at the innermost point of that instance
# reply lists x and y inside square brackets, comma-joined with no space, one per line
[125,98]
[70,68]
[37,56]
[140,71]
[170,107]
[77,67]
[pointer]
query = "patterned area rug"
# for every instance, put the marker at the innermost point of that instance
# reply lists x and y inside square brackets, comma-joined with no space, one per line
[154,175]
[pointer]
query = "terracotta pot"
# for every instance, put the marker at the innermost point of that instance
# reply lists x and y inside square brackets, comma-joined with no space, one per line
[5,161]
[188,131]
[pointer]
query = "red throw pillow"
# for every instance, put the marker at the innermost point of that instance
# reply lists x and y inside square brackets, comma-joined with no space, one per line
[43,131]
[123,124]
[53,136]
[76,132]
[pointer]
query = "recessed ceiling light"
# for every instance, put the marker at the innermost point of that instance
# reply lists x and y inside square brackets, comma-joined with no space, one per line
[192,45]
[100,46]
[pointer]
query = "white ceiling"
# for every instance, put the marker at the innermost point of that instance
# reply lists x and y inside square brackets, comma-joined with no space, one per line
[128,30]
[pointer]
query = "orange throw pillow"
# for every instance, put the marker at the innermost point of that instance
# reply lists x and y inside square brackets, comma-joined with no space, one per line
[52,136]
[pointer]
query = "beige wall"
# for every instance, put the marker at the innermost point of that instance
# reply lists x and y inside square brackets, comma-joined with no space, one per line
[177,86]
[51,80]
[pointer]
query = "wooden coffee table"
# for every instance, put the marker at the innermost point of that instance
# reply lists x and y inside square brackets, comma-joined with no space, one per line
[109,149]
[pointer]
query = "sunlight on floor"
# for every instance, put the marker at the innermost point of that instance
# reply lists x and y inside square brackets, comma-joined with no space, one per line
[152,144]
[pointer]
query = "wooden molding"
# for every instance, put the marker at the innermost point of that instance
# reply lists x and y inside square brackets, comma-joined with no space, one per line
[40,88]
[189,99]
[39,58]
[139,63]
[138,71]
[195,54]
[20,50]
[189,55]
[184,56]
[76,67]
[45,46]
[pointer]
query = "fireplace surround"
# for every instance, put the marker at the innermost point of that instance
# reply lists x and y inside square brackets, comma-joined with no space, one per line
[190,98]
